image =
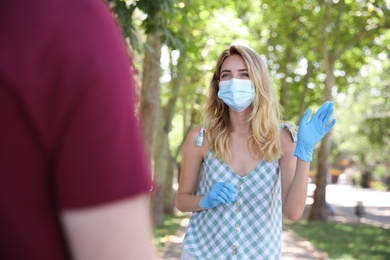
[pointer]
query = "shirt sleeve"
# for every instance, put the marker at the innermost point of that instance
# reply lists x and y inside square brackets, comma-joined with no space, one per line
[99,153]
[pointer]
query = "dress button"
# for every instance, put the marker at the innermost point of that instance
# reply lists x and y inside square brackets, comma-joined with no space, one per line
[238,203]
[237,225]
[239,182]
[238,209]
[234,247]
[234,252]
[236,230]
[239,188]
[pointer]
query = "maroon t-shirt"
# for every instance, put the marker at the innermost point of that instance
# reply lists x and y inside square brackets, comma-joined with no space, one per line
[68,134]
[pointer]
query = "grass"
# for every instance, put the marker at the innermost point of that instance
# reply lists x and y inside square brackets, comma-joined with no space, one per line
[164,232]
[345,241]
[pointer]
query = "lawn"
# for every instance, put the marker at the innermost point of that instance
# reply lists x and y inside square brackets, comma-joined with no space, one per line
[345,241]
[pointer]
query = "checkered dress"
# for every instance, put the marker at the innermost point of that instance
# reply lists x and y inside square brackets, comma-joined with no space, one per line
[249,228]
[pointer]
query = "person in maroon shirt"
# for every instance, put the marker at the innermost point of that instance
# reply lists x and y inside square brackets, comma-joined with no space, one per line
[74,178]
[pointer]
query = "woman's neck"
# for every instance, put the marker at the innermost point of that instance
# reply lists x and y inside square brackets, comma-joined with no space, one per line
[239,122]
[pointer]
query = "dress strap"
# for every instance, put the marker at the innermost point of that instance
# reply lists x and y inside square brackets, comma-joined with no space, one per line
[291,129]
[199,140]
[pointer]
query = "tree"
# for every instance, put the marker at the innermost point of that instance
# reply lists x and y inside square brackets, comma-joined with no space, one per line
[339,19]
[155,27]
[310,50]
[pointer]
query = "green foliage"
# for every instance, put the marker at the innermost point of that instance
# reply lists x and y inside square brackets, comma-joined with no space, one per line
[377,130]
[296,43]
[345,241]
[377,117]
[290,37]
[292,46]
[294,49]
[363,114]
[155,18]
[380,173]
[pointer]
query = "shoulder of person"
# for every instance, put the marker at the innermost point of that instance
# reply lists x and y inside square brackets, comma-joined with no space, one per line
[288,133]
[195,132]
[196,143]
[193,136]
[197,137]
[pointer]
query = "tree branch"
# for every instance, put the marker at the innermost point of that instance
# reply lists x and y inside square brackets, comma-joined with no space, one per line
[358,38]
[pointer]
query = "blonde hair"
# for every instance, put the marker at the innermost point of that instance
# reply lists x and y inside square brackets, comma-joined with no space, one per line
[264,120]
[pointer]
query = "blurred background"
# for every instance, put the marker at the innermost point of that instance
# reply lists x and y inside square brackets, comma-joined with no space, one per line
[315,51]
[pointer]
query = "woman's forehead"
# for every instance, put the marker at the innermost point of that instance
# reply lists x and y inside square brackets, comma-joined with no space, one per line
[233,62]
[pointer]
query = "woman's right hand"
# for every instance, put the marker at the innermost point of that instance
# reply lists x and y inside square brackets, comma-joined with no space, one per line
[221,192]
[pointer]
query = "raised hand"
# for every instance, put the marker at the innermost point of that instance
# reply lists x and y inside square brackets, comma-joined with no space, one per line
[221,192]
[311,132]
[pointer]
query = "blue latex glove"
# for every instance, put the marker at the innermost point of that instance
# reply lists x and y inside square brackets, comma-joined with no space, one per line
[221,192]
[311,132]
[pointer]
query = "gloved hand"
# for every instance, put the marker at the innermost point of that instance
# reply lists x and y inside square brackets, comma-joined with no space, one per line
[311,132]
[221,192]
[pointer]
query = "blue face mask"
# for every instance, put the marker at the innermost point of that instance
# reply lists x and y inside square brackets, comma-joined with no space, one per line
[238,94]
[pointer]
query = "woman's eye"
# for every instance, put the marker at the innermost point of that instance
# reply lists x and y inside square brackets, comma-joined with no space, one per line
[246,75]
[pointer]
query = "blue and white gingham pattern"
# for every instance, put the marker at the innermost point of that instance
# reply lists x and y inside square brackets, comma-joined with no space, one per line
[199,140]
[251,227]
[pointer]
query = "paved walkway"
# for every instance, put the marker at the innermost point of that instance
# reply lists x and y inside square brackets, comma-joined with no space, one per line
[293,246]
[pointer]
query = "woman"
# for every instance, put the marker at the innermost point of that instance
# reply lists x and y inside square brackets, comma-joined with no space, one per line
[245,163]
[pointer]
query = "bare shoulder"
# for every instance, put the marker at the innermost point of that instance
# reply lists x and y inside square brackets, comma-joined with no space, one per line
[287,138]
[197,141]
[286,135]
[194,133]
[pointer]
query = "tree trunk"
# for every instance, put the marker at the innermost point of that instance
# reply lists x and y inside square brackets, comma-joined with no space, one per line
[177,83]
[150,95]
[150,103]
[319,208]
[164,173]
[169,196]
[160,157]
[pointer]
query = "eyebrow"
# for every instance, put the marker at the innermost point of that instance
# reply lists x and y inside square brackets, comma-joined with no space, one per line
[240,70]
